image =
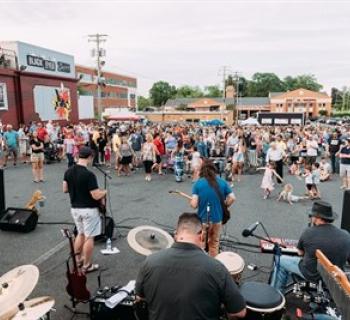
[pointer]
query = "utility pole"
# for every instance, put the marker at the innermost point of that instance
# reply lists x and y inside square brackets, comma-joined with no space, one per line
[236,77]
[224,71]
[98,39]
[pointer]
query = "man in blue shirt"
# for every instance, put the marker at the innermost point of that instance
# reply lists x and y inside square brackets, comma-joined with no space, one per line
[10,144]
[205,197]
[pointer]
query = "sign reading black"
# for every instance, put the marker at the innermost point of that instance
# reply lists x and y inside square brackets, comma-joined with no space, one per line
[35,61]
[49,65]
[63,67]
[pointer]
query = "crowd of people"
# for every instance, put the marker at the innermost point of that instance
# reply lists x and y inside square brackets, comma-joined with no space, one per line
[162,148]
[313,153]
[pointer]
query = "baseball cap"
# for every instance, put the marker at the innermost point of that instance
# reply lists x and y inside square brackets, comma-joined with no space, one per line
[85,152]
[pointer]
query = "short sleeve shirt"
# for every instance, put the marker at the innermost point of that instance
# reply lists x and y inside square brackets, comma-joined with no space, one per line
[80,182]
[345,150]
[207,196]
[11,138]
[333,242]
[182,283]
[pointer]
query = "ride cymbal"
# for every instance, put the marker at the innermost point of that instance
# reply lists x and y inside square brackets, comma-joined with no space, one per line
[16,285]
[33,309]
[147,239]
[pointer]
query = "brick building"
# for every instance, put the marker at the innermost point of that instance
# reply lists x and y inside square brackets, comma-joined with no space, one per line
[30,79]
[118,91]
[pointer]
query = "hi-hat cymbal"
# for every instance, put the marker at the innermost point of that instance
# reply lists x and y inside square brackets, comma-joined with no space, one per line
[33,309]
[147,239]
[16,285]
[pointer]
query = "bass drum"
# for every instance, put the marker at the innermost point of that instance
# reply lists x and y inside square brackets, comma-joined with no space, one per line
[263,301]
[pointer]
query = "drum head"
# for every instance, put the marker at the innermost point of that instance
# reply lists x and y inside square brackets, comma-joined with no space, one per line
[233,262]
[261,295]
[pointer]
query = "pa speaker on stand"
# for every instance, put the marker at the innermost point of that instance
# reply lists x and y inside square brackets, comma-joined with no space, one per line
[345,218]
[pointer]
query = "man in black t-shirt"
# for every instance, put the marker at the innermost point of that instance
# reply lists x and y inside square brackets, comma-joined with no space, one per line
[333,147]
[84,193]
[182,282]
[323,235]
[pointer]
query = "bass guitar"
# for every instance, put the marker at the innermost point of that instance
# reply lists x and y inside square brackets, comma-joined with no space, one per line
[76,286]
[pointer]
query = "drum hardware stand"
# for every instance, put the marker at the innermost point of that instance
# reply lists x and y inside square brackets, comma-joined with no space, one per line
[73,308]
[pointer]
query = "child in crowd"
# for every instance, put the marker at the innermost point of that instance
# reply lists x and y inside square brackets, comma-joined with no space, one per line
[294,169]
[69,144]
[325,169]
[316,178]
[267,183]
[309,182]
[108,154]
[288,196]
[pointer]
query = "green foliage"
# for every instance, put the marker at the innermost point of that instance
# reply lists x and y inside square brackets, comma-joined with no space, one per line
[189,92]
[322,112]
[341,99]
[263,83]
[161,91]
[213,91]
[341,114]
[143,102]
[306,81]
[181,107]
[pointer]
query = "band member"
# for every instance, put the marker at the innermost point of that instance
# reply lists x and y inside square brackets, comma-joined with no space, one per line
[322,235]
[81,184]
[205,197]
[182,282]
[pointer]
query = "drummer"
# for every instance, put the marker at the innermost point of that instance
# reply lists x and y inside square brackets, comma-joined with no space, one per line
[182,282]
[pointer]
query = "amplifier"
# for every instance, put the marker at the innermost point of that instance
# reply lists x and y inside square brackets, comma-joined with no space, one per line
[19,219]
[123,311]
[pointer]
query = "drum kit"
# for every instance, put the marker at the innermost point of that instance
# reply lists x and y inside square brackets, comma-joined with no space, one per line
[15,287]
[262,300]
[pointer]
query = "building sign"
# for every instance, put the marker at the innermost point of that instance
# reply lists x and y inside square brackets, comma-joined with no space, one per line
[3,97]
[49,65]
[281,121]
[266,121]
[63,67]
[295,121]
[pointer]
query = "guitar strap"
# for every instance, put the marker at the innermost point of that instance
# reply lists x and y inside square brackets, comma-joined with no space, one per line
[216,188]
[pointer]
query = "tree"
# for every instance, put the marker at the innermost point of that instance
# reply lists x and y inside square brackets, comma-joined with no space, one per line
[263,83]
[160,92]
[213,91]
[189,92]
[143,102]
[306,81]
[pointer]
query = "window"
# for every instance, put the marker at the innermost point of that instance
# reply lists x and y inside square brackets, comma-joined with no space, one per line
[3,97]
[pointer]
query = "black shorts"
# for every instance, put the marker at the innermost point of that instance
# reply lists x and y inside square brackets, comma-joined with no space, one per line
[126,160]
[158,159]
[148,166]
[309,186]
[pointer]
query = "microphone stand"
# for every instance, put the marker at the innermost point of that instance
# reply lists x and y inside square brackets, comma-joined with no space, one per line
[277,251]
[103,216]
[207,229]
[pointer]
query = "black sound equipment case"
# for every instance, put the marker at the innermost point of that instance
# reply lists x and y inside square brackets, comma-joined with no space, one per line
[18,219]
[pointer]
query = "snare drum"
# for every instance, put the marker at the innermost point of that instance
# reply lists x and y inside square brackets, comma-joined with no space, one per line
[233,262]
[263,301]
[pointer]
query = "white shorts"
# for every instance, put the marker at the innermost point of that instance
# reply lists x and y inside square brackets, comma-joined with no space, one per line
[344,170]
[87,221]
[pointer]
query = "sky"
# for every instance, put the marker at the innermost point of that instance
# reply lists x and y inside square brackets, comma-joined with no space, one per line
[187,42]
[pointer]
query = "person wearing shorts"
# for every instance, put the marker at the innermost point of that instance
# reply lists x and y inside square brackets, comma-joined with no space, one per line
[344,170]
[85,196]
[10,144]
[37,158]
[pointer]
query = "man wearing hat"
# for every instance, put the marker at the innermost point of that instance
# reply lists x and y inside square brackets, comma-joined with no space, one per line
[323,235]
[344,155]
[84,193]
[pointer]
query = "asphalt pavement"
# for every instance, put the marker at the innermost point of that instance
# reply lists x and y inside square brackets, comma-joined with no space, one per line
[134,202]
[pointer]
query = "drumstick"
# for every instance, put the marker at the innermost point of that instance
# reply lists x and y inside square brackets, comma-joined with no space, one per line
[181,194]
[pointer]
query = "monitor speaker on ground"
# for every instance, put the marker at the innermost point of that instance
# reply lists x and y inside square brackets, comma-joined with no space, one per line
[2,193]
[345,219]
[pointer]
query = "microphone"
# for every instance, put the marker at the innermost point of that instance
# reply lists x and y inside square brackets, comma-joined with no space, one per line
[248,232]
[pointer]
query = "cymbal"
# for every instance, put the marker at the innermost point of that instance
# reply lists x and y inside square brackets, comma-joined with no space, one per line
[16,285]
[147,239]
[33,309]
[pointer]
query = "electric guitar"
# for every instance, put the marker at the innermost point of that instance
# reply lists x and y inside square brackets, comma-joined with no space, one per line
[76,286]
[226,212]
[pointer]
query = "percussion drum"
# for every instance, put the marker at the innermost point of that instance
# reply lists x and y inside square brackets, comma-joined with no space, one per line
[263,301]
[233,262]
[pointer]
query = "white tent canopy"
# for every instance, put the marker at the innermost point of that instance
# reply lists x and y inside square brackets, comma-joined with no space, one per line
[250,122]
